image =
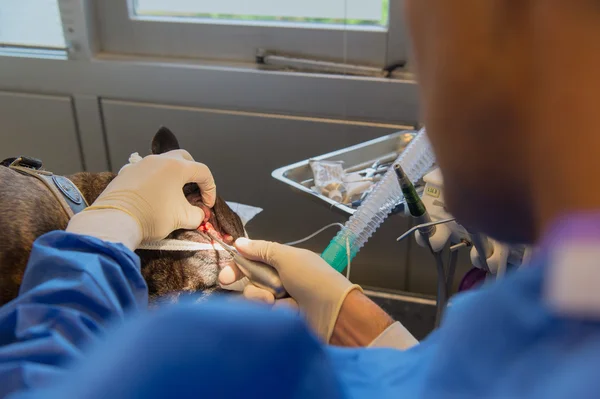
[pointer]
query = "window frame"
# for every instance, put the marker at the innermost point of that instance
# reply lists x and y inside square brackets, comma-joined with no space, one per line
[120,31]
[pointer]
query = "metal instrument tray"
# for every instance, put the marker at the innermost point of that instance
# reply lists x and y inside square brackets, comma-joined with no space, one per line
[299,175]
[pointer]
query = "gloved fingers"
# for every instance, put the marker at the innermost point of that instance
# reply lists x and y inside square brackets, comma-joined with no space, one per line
[198,173]
[254,293]
[192,216]
[230,274]
[207,212]
[237,286]
[209,194]
[267,252]
[178,154]
[201,175]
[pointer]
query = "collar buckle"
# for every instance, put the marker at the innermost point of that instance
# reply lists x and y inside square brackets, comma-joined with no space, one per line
[23,161]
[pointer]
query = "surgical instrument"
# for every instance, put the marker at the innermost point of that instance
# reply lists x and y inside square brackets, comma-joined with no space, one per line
[417,209]
[420,226]
[260,274]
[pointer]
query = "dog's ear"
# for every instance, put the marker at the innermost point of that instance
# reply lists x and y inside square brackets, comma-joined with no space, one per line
[164,141]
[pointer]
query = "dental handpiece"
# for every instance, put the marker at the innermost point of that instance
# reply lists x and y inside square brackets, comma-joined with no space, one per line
[260,274]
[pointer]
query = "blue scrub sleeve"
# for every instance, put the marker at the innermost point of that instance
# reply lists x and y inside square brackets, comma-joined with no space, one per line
[221,348]
[73,289]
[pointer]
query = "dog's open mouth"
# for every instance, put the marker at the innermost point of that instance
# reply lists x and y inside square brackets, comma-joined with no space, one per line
[208,228]
[202,266]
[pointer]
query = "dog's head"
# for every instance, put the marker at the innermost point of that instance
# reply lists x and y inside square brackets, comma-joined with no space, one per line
[170,273]
[28,210]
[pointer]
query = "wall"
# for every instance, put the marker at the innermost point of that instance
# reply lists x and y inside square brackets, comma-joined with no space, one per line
[244,123]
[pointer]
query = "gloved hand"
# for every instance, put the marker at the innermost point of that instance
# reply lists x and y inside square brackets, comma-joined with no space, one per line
[317,288]
[146,201]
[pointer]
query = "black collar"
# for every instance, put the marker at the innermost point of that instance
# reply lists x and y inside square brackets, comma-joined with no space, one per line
[67,193]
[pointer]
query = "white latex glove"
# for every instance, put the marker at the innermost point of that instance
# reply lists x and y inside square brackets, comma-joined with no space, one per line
[317,288]
[145,202]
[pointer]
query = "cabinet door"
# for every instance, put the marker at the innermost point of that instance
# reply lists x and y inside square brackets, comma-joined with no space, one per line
[40,126]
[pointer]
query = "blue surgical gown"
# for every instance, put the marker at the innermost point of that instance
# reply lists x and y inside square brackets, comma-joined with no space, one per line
[79,330]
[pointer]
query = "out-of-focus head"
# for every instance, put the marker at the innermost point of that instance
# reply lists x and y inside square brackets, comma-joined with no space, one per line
[510,95]
[471,59]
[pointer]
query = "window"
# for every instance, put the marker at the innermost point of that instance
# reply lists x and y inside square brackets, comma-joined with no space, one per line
[334,12]
[367,32]
[31,23]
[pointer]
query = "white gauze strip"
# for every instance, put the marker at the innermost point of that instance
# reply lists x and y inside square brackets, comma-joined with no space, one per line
[180,245]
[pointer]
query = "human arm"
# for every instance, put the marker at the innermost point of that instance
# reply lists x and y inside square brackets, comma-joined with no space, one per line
[74,287]
[360,321]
